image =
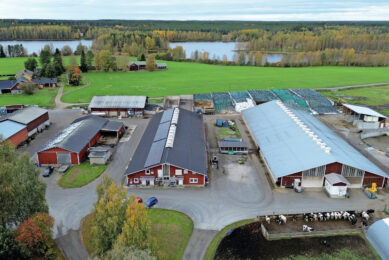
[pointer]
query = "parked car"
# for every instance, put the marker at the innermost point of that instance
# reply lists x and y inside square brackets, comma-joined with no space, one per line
[151,202]
[48,171]
[138,200]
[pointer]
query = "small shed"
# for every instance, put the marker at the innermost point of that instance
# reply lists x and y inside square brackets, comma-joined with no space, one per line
[364,117]
[336,185]
[161,66]
[99,155]
[233,147]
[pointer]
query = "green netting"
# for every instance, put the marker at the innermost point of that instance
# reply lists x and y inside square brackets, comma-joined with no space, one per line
[316,101]
[262,95]
[200,97]
[222,102]
[291,99]
[240,96]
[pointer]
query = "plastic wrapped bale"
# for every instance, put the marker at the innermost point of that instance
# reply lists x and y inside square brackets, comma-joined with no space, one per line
[316,101]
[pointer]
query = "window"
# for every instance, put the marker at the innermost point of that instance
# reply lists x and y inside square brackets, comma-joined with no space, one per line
[136,180]
[178,172]
[193,180]
[315,172]
[148,172]
[348,171]
[185,171]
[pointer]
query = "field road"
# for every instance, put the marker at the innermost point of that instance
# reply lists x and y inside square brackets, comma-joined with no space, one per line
[354,86]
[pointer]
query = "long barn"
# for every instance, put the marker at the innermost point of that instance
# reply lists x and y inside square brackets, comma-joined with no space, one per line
[125,106]
[296,145]
[172,149]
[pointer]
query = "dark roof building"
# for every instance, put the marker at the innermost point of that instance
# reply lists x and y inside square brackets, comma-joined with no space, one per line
[6,86]
[126,106]
[45,81]
[173,147]
[70,146]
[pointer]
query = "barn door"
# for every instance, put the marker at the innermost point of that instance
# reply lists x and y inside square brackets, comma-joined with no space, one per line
[64,158]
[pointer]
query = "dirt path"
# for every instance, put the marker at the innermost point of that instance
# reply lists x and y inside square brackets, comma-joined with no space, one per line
[62,105]
[354,86]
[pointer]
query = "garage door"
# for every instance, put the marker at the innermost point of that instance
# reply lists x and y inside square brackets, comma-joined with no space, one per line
[113,113]
[312,182]
[64,158]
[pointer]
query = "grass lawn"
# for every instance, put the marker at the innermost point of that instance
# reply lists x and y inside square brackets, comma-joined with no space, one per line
[211,251]
[80,175]
[171,231]
[190,78]
[227,132]
[42,97]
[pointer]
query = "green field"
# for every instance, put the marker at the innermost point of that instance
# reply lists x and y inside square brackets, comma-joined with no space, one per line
[80,175]
[42,97]
[170,231]
[190,78]
[376,97]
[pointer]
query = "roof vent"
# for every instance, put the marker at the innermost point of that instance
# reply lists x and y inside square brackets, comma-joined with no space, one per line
[170,137]
[176,113]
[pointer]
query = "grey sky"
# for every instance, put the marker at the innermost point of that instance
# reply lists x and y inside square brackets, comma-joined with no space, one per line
[273,10]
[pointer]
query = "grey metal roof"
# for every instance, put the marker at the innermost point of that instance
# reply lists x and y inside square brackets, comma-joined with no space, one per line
[27,115]
[77,135]
[43,81]
[97,154]
[189,146]
[20,73]
[363,110]
[99,149]
[233,144]
[138,63]
[378,235]
[334,178]
[112,126]
[118,102]
[10,128]
[7,84]
[288,149]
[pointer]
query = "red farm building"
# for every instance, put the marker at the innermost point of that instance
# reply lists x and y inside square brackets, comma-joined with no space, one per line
[71,145]
[13,132]
[297,146]
[172,150]
[124,106]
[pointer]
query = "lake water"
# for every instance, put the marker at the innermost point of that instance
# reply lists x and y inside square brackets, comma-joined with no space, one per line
[217,50]
[36,46]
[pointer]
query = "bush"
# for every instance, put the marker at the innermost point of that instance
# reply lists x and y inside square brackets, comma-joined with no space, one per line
[28,88]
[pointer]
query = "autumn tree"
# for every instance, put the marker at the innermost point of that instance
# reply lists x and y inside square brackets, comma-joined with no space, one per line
[22,193]
[10,248]
[73,75]
[150,62]
[122,62]
[104,60]
[66,50]
[35,234]
[73,60]
[109,214]
[178,53]
[30,64]
[150,43]
[127,253]
[258,58]
[28,88]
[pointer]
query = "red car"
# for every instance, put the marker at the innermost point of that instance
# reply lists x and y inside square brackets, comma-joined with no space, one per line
[138,200]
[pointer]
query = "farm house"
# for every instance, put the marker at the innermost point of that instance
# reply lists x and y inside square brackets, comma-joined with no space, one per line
[125,106]
[71,145]
[34,118]
[9,86]
[172,149]
[13,132]
[364,117]
[296,145]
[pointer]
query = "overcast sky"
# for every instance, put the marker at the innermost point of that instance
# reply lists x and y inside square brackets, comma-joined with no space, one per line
[270,10]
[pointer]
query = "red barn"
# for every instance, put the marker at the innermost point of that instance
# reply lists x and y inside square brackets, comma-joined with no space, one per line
[124,106]
[296,145]
[71,145]
[13,132]
[34,118]
[172,149]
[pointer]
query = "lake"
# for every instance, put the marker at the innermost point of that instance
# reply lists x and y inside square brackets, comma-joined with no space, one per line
[217,50]
[36,46]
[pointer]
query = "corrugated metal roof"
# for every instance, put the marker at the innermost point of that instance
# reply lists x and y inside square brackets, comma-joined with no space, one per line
[364,110]
[334,178]
[233,144]
[378,235]
[7,84]
[77,135]
[27,115]
[10,128]
[45,81]
[118,102]
[112,126]
[189,146]
[288,149]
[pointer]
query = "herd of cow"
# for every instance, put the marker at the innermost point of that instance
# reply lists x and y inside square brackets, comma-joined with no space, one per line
[351,216]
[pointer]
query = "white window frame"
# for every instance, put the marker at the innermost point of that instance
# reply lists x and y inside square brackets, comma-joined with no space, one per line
[193,180]
[185,171]
[136,180]
[315,172]
[178,172]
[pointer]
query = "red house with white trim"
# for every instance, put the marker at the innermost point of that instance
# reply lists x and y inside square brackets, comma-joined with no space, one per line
[172,149]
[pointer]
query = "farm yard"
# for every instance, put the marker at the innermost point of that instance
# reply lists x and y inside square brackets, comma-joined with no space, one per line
[247,242]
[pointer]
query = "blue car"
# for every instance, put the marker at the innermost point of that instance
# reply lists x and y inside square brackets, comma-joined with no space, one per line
[151,202]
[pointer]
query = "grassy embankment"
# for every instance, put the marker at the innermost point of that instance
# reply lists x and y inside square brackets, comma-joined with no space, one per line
[80,175]
[376,97]
[171,231]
